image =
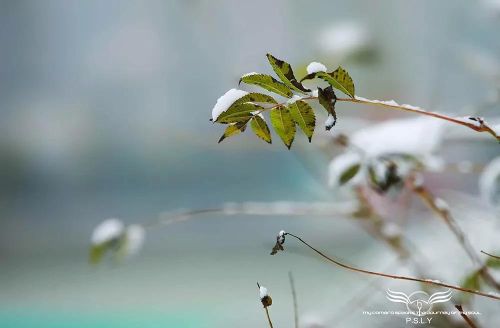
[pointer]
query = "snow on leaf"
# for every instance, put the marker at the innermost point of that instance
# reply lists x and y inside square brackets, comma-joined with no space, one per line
[283,124]
[225,101]
[285,73]
[239,113]
[267,82]
[340,165]
[339,79]
[106,231]
[304,116]
[315,67]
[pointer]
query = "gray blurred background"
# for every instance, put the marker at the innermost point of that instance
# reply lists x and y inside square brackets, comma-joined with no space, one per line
[104,113]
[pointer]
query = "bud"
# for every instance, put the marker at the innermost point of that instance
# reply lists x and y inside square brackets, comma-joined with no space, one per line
[280,240]
[264,296]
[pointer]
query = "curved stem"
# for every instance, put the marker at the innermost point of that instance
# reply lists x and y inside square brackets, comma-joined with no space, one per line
[491,255]
[425,281]
[294,297]
[268,318]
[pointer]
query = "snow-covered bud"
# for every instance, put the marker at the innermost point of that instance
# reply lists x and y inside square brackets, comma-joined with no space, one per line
[280,240]
[264,296]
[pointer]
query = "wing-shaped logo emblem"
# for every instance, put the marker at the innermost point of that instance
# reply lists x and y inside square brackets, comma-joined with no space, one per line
[419,303]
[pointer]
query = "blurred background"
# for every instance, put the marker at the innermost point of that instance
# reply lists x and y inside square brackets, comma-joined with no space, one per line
[105,109]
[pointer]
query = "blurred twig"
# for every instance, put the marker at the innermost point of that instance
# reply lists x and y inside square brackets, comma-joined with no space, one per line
[294,297]
[466,318]
[491,255]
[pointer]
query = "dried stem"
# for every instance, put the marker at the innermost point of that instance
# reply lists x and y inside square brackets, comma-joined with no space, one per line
[294,297]
[268,318]
[444,213]
[282,208]
[425,281]
[491,255]
[466,318]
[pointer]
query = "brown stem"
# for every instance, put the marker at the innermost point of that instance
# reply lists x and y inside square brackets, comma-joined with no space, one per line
[430,200]
[479,128]
[465,317]
[268,318]
[294,297]
[425,281]
[491,255]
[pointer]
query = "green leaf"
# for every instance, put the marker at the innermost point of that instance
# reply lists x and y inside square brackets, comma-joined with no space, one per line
[304,116]
[229,116]
[472,281]
[233,129]
[283,124]
[97,253]
[267,82]
[493,263]
[260,128]
[239,113]
[350,173]
[339,79]
[285,73]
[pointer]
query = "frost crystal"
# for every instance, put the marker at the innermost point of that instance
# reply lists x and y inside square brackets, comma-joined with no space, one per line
[106,231]
[225,101]
[315,67]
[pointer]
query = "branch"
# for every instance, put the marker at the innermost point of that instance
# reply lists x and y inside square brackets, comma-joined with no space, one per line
[281,208]
[294,297]
[425,281]
[466,318]
[440,208]
[474,123]
[491,255]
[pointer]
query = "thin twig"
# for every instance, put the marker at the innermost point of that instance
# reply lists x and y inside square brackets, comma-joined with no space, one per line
[294,297]
[444,213]
[466,318]
[282,208]
[425,281]
[268,318]
[491,255]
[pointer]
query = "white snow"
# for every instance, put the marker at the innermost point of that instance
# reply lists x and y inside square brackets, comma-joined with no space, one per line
[477,121]
[391,230]
[281,237]
[417,136]
[294,99]
[314,93]
[489,181]
[315,67]
[339,165]
[343,39]
[330,122]
[106,231]
[391,102]
[441,204]
[249,74]
[225,101]
[263,292]
[135,238]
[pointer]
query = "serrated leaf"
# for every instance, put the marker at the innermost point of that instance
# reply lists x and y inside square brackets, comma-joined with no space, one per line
[285,73]
[267,82]
[304,116]
[233,129]
[339,79]
[348,174]
[283,124]
[228,116]
[239,113]
[260,128]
